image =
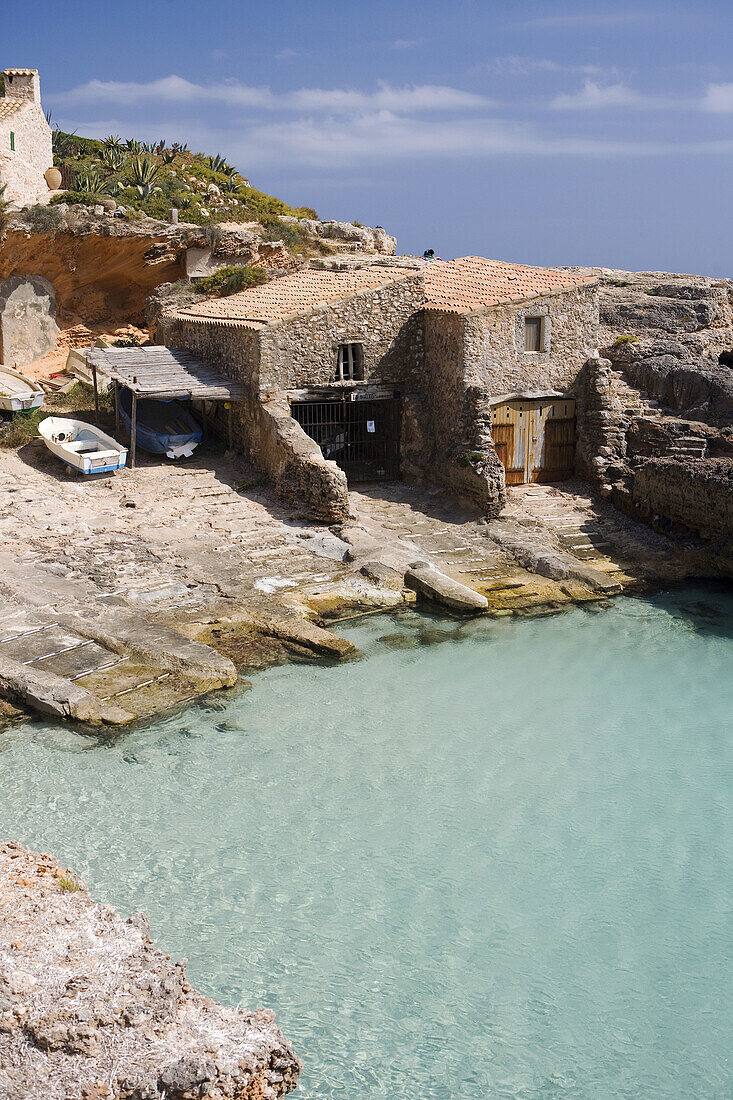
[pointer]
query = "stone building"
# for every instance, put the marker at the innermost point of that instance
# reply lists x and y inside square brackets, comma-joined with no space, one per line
[457,372]
[25,138]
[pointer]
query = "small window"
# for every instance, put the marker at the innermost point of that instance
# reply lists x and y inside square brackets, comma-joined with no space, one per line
[12,141]
[533,333]
[350,363]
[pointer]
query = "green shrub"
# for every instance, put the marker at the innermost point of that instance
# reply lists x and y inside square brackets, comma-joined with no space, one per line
[627,338]
[67,883]
[277,230]
[469,458]
[229,280]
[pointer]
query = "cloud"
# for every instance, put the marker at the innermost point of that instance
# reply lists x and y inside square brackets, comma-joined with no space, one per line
[424,97]
[595,96]
[518,65]
[405,43]
[718,97]
[287,54]
[583,19]
[175,89]
[353,144]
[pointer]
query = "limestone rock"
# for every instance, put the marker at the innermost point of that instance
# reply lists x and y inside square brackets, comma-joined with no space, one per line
[437,586]
[90,1008]
[28,328]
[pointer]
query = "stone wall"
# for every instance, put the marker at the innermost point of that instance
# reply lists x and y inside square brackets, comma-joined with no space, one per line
[301,352]
[696,493]
[276,443]
[23,167]
[601,427]
[494,343]
[272,440]
[232,348]
[27,319]
[462,455]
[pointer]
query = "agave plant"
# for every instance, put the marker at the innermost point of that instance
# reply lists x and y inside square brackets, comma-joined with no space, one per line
[113,142]
[143,171]
[168,156]
[112,157]
[234,183]
[134,146]
[89,180]
[179,147]
[60,142]
[218,164]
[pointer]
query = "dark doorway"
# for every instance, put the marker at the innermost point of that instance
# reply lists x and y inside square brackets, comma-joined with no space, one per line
[362,437]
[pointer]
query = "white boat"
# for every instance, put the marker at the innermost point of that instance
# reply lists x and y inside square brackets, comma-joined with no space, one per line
[18,393]
[82,446]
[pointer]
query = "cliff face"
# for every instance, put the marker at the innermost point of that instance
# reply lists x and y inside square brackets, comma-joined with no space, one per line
[101,268]
[90,1009]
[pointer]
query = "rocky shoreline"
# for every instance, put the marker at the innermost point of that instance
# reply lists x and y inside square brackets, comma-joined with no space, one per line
[91,1010]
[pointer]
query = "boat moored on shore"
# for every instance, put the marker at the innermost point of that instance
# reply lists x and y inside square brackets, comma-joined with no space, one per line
[18,393]
[82,446]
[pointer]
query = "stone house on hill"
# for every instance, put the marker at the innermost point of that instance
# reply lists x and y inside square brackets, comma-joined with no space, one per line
[457,372]
[25,138]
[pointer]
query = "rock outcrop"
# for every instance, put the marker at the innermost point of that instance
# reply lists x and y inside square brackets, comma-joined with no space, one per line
[104,265]
[27,319]
[655,412]
[91,1010]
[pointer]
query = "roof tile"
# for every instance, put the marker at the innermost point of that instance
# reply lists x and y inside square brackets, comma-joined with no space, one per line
[291,295]
[473,283]
[10,106]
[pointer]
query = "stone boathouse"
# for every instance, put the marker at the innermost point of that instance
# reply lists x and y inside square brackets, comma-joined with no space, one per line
[458,372]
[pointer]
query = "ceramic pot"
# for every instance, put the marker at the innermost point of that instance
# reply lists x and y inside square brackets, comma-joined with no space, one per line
[53,178]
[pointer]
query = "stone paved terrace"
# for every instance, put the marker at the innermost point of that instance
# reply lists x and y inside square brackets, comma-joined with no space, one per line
[164,546]
[552,545]
[123,596]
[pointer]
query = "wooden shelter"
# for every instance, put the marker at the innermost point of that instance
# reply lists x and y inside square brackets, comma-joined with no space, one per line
[162,374]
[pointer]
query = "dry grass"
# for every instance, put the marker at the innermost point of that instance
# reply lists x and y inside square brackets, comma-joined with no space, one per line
[21,428]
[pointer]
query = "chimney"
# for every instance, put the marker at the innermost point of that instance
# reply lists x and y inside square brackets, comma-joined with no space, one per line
[23,84]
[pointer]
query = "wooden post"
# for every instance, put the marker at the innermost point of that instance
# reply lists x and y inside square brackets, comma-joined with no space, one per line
[117,409]
[133,429]
[229,427]
[96,393]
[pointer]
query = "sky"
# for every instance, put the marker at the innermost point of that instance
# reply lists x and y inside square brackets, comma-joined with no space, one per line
[590,133]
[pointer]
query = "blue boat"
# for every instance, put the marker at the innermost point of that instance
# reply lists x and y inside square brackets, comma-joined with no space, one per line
[162,427]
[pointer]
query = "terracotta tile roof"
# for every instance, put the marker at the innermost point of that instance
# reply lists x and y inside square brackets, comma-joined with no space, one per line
[291,295]
[9,106]
[473,283]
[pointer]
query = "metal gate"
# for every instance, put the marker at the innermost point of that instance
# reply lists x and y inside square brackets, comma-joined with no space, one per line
[535,439]
[362,437]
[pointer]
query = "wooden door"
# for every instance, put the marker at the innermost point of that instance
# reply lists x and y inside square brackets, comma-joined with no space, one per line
[535,439]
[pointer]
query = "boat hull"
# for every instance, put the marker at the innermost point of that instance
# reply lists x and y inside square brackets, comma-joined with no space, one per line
[161,427]
[83,447]
[18,393]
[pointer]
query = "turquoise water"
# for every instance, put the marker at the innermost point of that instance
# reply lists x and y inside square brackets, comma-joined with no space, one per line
[496,865]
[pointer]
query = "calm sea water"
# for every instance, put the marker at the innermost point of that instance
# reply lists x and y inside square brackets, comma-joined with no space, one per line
[491,860]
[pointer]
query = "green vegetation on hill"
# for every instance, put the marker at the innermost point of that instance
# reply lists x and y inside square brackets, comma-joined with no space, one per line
[229,280]
[150,178]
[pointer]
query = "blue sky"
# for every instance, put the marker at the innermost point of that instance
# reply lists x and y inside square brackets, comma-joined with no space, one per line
[551,133]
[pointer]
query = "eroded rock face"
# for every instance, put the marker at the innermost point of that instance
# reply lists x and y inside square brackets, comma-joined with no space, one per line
[27,319]
[90,1009]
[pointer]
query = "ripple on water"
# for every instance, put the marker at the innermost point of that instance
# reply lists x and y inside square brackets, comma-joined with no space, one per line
[490,859]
